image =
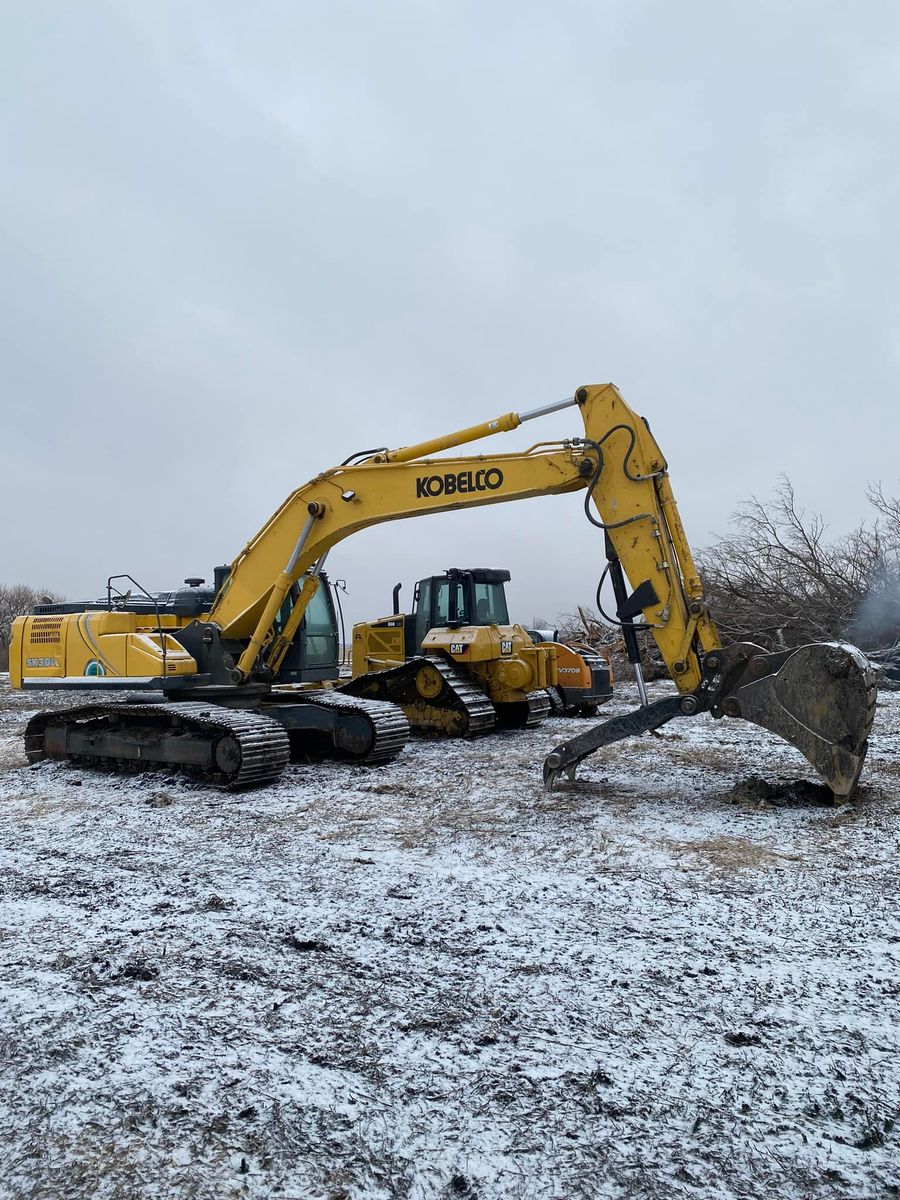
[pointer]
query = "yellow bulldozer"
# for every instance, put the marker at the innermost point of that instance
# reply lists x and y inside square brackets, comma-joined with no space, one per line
[224,682]
[456,666]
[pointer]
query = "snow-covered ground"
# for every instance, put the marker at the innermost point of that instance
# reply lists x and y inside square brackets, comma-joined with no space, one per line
[434,980]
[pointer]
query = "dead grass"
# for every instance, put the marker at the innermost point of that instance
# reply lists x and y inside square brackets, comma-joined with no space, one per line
[710,758]
[436,980]
[392,788]
[731,853]
[40,807]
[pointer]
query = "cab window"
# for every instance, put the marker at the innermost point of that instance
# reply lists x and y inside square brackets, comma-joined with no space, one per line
[442,603]
[318,627]
[490,604]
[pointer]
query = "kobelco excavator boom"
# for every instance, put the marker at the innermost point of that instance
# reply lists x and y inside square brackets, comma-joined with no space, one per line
[820,697]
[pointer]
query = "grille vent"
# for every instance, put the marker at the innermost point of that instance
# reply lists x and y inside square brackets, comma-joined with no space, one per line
[46,631]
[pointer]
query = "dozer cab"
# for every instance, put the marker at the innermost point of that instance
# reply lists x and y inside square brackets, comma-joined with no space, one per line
[459,636]
[207,691]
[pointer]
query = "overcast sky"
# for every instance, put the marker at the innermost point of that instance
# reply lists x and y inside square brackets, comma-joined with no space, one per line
[241,241]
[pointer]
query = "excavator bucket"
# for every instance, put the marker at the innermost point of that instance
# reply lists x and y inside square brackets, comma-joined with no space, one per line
[820,698]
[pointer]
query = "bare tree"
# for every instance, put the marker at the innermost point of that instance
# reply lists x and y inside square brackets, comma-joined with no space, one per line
[579,627]
[877,623]
[16,600]
[888,509]
[587,626]
[779,581]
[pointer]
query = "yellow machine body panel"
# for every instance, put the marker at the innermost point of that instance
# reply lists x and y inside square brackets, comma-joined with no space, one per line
[96,645]
[502,657]
[631,494]
[616,460]
[376,645]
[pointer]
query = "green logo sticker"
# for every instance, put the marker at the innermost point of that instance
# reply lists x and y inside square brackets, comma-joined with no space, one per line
[95,668]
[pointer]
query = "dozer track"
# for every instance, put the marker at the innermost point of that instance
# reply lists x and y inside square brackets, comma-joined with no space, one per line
[457,709]
[539,706]
[228,748]
[521,714]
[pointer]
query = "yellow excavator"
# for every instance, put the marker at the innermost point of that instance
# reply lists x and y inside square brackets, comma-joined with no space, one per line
[220,687]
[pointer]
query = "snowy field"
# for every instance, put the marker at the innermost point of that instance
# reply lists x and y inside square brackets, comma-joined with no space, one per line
[434,980]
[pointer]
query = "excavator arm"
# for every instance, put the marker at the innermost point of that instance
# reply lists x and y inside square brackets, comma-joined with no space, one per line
[617,462]
[820,698]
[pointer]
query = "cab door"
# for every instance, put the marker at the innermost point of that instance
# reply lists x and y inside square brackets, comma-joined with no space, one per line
[314,654]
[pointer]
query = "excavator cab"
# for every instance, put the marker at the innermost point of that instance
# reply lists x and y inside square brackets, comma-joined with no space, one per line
[314,652]
[110,639]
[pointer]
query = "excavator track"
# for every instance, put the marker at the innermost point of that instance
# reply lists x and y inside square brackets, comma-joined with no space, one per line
[228,748]
[458,709]
[387,723]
